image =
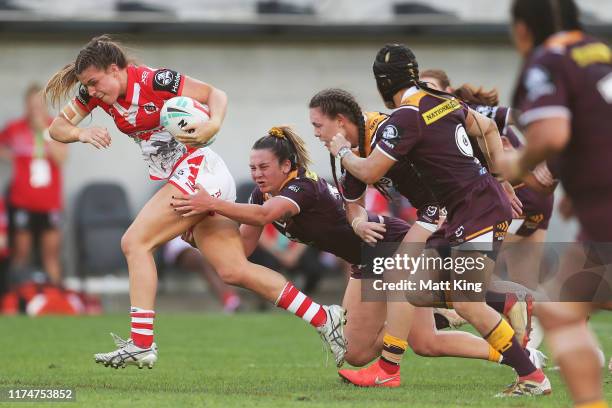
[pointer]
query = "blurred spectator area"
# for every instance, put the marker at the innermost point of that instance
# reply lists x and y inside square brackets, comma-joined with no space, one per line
[437,17]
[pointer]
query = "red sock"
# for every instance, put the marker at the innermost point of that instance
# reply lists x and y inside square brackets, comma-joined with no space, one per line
[537,375]
[388,366]
[301,305]
[142,327]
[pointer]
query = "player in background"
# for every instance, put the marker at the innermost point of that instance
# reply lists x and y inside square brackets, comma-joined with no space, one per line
[529,230]
[4,248]
[564,93]
[35,193]
[307,209]
[133,96]
[430,129]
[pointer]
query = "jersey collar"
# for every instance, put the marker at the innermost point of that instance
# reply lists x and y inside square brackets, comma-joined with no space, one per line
[292,175]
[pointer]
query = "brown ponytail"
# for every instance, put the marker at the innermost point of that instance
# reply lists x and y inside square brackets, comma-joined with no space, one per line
[100,53]
[286,144]
[333,102]
[466,92]
[477,96]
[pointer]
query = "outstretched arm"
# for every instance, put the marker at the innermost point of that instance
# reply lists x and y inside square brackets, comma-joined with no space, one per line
[276,208]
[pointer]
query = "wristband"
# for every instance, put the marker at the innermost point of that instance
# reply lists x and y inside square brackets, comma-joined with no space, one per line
[354,224]
[343,152]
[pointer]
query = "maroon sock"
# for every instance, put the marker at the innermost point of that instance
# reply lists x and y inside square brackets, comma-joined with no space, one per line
[388,366]
[496,300]
[516,358]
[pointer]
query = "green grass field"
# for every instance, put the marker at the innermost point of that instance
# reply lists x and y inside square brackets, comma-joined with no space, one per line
[263,360]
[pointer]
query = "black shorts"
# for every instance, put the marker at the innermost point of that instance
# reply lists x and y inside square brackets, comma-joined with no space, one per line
[33,221]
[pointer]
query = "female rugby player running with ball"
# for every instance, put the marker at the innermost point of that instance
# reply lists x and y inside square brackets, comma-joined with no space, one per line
[133,96]
[430,129]
[307,209]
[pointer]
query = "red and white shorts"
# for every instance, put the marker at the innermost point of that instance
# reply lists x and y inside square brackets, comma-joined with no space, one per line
[207,168]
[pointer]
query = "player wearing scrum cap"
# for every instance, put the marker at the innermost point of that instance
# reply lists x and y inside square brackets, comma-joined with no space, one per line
[529,227]
[432,130]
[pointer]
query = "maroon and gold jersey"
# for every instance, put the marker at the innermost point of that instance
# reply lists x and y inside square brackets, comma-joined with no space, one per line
[402,176]
[429,132]
[537,207]
[321,221]
[570,76]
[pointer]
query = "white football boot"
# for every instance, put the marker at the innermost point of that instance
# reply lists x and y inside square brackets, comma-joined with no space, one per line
[332,332]
[538,358]
[128,353]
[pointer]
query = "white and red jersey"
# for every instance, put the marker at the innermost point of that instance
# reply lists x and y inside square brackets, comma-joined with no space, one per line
[30,151]
[137,115]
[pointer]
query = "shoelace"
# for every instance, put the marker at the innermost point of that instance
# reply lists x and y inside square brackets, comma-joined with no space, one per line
[334,336]
[119,342]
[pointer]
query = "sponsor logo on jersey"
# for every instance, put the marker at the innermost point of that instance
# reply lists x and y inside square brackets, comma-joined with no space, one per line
[440,111]
[463,141]
[501,230]
[533,221]
[176,83]
[83,95]
[597,53]
[431,210]
[538,83]
[311,175]
[459,232]
[149,107]
[164,77]
[374,119]
[388,144]
[390,132]
[386,182]
[488,111]
[294,188]
[144,76]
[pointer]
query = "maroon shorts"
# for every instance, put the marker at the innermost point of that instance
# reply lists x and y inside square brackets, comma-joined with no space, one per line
[482,215]
[395,233]
[428,217]
[537,210]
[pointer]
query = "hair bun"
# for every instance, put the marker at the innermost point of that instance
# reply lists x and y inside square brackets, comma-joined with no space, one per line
[277,132]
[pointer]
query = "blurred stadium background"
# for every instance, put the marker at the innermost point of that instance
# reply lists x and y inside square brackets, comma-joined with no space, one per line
[269,56]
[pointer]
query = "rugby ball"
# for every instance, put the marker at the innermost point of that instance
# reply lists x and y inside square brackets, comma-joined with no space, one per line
[181,111]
